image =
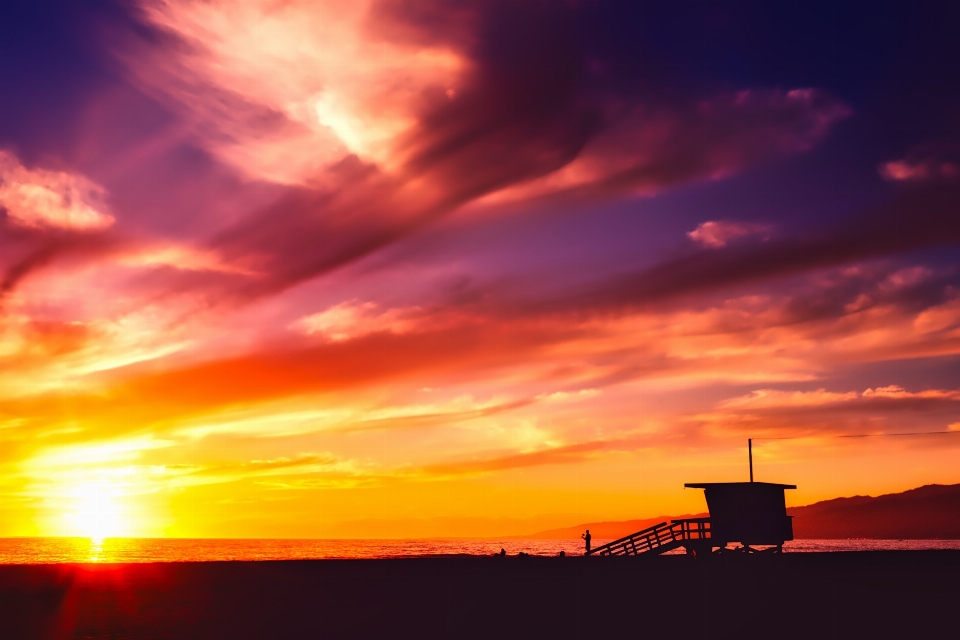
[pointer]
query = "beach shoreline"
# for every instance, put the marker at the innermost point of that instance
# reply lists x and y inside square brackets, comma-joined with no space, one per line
[801,595]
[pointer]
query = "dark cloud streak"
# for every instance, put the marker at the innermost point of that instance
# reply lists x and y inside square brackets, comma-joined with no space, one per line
[915,219]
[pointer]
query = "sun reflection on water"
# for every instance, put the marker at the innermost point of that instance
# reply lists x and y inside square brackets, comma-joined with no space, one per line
[96,550]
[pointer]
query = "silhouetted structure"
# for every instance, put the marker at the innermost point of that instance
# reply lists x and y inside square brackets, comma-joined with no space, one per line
[751,513]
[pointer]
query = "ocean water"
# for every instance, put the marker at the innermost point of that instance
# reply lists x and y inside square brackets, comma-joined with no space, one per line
[110,550]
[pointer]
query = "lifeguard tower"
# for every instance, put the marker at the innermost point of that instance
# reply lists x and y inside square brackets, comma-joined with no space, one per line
[753,514]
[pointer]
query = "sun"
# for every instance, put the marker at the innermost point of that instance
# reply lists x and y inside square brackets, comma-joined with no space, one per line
[96,512]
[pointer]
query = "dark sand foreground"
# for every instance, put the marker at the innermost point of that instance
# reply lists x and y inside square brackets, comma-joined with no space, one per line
[825,595]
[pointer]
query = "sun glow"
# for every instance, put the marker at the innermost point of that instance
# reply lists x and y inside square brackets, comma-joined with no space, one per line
[97,513]
[99,490]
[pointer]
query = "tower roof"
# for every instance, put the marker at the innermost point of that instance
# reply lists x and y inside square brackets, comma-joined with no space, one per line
[704,485]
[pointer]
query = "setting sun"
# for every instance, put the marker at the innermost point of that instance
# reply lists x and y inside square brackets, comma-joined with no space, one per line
[96,514]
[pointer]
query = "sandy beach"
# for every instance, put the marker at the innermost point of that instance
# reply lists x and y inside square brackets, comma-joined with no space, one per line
[825,595]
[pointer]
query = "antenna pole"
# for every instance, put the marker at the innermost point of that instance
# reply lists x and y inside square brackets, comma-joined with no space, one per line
[750,453]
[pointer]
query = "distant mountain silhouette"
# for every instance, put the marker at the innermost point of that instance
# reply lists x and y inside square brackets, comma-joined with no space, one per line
[926,513]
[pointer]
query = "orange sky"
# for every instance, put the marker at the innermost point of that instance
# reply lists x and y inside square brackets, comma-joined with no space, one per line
[303,269]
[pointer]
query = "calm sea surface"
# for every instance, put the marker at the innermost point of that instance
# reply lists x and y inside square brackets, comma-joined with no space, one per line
[57,550]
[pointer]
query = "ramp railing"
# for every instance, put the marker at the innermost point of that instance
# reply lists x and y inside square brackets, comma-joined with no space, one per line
[657,539]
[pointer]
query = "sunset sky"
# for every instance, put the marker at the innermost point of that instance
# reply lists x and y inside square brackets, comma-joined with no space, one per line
[281,268]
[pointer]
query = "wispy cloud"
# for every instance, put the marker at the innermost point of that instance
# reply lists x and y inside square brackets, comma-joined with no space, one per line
[717,233]
[914,171]
[561,454]
[774,413]
[353,319]
[40,198]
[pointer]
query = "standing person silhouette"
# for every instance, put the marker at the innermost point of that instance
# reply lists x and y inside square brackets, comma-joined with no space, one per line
[586,539]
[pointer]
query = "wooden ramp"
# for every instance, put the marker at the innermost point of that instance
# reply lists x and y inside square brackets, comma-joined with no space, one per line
[692,533]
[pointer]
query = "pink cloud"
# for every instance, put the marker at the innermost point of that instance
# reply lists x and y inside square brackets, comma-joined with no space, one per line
[897,392]
[919,170]
[354,319]
[286,91]
[769,398]
[776,414]
[717,233]
[39,198]
[180,257]
[776,399]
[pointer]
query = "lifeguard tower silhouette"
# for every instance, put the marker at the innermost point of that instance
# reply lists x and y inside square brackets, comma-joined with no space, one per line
[751,513]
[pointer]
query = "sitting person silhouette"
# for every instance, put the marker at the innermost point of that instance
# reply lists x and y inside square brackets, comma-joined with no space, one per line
[586,538]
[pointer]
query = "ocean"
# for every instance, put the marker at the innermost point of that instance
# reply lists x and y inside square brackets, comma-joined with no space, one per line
[112,550]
